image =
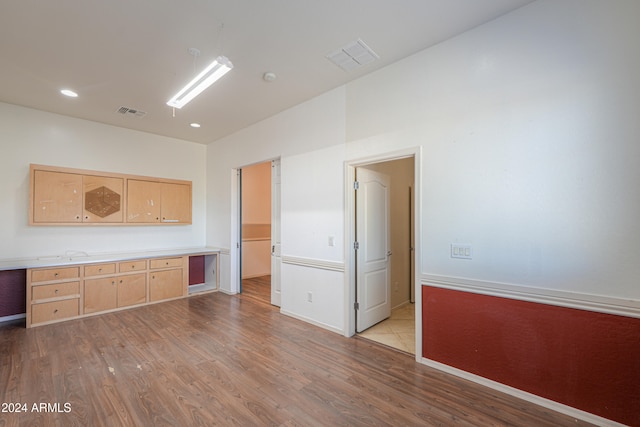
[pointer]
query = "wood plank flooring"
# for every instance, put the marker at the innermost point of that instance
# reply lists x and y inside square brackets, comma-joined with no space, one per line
[216,359]
[258,288]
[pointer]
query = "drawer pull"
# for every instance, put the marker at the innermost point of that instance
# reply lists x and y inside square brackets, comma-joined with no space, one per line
[56,291]
[99,270]
[56,275]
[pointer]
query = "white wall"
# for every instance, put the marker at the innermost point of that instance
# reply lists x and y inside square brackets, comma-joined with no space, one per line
[529,133]
[31,136]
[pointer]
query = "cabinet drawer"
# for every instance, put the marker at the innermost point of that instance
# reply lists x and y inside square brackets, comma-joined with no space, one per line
[165,263]
[99,269]
[55,290]
[132,266]
[55,274]
[57,310]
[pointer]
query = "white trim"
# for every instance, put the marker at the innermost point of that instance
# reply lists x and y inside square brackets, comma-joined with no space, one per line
[349,225]
[12,317]
[512,391]
[313,263]
[311,321]
[595,303]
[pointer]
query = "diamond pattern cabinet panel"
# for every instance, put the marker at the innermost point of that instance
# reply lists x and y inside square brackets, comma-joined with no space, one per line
[102,199]
[57,197]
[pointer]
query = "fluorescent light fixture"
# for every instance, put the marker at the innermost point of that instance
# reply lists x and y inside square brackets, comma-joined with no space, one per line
[213,72]
[69,93]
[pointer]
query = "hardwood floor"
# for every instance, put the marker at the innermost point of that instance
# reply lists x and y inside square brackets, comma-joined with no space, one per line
[216,359]
[258,288]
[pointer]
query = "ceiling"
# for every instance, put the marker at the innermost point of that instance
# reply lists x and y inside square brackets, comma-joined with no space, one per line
[135,54]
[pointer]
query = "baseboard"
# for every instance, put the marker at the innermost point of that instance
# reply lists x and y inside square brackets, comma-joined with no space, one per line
[13,317]
[313,322]
[529,397]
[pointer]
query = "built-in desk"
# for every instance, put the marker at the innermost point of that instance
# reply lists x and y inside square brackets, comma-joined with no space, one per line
[77,284]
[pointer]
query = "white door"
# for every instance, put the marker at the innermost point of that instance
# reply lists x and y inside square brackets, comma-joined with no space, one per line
[373,290]
[276,259]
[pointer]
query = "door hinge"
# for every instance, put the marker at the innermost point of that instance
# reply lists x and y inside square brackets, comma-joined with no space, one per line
[356,305]
[356,245]
[356,185]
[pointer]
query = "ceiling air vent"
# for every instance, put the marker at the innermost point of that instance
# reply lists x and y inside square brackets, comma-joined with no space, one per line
[126,111]
[352,56]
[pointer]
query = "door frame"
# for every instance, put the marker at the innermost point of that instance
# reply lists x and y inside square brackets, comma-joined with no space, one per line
[235,260]
[350,235]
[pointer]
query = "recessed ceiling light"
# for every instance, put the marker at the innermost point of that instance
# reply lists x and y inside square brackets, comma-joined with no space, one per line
[69,93]
[195,125]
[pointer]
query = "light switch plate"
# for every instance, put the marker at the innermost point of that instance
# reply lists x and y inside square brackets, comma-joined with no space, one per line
[460,250]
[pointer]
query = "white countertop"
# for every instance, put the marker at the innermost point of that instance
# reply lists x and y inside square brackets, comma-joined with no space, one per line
[74,258]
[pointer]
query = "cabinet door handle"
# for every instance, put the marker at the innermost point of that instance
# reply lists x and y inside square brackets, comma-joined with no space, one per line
[56,291]
[56,275]
[55,311]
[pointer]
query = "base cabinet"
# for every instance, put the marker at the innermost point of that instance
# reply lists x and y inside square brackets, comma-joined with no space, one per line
[132,290]
[56,294]
[165,284]
[100,294]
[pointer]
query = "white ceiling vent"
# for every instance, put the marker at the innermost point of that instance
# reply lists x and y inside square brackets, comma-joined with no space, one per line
[126,111]
[352,56]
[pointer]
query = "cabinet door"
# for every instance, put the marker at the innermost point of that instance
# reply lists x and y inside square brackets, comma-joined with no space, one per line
[132,289]
[143,201]
[57,197]
[165,284]
[176,203]
[103,199]
[100,294]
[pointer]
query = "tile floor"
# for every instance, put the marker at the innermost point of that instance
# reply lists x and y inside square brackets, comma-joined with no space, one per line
[398,331]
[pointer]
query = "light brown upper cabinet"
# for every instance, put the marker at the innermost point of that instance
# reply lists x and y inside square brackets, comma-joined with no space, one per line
[64,196]
[163,202]
[57,197]
[61,197]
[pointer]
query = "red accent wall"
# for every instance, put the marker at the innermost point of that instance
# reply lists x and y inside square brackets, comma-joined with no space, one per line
[196,270]
[13,288]
[583,359]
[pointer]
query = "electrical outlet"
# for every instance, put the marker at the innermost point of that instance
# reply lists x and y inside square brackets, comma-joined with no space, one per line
[309,296]
[459,250]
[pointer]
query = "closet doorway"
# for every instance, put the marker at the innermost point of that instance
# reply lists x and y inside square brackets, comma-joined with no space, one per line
[395,298]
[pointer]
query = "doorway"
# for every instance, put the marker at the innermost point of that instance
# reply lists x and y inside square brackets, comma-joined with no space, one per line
[393,305]
[259,231]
